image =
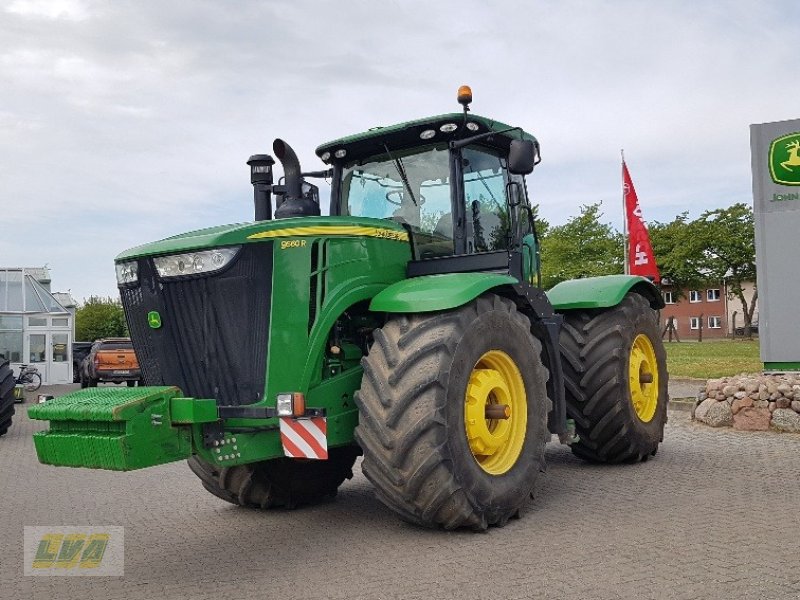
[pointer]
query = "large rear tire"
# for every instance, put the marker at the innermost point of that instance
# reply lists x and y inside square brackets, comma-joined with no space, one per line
[281,482]
[433,456]
[6,396]
[616,381]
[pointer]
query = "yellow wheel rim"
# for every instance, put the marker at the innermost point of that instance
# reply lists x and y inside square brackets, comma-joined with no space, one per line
[643,378]
[496,443]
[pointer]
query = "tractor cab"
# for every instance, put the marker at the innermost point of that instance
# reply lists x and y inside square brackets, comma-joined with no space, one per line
[454,182]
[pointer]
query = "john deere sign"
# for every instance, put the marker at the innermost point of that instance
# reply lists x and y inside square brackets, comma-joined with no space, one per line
[775,154]
[784,160]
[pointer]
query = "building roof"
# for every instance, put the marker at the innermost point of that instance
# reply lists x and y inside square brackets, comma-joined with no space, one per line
[22,292]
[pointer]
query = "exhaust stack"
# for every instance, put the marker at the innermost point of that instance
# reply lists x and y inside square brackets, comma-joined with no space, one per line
[295,203]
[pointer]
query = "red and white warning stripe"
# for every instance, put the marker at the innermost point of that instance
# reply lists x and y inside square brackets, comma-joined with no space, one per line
[305,438]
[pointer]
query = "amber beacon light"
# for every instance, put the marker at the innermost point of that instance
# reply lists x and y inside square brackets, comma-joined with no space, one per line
[465,96]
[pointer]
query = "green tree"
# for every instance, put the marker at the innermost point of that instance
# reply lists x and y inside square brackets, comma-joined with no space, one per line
[677,268]
[722,244]
[582,247]
[100,318]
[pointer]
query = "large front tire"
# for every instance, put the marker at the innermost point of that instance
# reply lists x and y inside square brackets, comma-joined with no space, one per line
[281,482]
[429,448]
[616,381]
[6,396]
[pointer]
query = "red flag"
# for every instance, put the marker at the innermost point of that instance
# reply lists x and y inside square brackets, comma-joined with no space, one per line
[640,252]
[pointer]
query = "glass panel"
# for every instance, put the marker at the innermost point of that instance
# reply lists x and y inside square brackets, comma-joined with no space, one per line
[60,322]
[11,345]
[485,195]
[11,322]
[60,341]
[37,321]
[32,301]
[14,291]
[37,344]
[50,303]
[375,188]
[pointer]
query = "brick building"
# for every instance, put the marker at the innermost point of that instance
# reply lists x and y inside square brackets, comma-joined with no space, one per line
[709,307]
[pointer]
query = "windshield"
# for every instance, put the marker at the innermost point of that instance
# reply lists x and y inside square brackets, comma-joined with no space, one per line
[410,187]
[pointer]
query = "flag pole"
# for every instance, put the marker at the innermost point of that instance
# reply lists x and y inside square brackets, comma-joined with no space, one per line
[625,252]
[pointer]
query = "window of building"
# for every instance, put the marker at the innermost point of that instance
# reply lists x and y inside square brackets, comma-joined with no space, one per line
[714,322]
[11,338]
[694,322]
[60,322]
[712,295]
[37,321]
[694,296]
[669,297]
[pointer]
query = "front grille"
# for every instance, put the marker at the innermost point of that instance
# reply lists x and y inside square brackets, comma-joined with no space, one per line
[212,342]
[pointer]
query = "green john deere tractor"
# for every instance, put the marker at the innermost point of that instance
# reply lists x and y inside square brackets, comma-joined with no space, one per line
[408,326]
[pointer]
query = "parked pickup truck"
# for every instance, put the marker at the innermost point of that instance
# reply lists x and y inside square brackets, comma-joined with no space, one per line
[110,360]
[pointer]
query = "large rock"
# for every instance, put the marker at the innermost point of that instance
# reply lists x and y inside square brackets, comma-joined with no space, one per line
[702,409]
[796,406]
[730,390]
[720,415]
[741,403]
[783,403]
[785,419]
[751,419]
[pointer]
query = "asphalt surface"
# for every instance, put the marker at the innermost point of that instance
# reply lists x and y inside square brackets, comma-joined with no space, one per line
[713,515]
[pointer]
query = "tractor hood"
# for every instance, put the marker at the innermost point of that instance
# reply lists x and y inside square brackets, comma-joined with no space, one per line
[245,233]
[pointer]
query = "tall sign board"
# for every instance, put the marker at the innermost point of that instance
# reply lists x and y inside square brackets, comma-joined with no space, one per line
[775,156]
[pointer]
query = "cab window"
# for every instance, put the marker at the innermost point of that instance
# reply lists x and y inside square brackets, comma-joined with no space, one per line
[486,210]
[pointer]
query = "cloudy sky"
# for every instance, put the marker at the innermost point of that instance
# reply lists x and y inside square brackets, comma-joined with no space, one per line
[124,122]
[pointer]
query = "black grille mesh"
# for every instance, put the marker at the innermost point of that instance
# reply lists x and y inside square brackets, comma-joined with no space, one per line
[214,333]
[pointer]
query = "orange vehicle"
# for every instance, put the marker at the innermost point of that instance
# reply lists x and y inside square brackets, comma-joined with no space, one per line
[111,360]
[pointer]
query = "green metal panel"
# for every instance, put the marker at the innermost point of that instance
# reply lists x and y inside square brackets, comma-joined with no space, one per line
[193,410]
[436,292]
[246,233]
[601,292]
[111,428]
[782,366]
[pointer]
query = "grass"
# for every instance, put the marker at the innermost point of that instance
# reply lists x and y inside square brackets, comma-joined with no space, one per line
[718,358]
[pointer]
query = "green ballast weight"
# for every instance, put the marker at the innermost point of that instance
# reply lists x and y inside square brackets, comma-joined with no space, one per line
[120,429]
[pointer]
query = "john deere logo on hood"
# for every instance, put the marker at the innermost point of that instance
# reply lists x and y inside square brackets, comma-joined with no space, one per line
[784,159]
[154,319]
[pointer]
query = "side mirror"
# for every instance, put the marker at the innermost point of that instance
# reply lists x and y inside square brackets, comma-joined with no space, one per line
[521,157]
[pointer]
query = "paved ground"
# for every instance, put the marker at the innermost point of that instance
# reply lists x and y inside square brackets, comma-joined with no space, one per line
[714,515]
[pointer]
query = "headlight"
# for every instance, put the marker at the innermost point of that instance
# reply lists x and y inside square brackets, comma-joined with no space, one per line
[194,263]
[127,272]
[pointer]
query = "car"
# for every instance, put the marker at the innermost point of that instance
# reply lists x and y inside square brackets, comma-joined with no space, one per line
[111,360]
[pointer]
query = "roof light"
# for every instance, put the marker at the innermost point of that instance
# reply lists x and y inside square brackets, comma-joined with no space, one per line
[427,134]
[340,153]
[464,95]
[473,126]
[325,156]
[448,127]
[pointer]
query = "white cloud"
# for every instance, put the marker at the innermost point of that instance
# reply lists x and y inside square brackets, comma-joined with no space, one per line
[128,121]
[71,10]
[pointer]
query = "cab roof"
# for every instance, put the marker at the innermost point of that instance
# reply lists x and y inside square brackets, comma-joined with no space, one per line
[407,134]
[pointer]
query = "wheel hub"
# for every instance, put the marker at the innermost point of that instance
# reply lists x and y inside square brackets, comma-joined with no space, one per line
[643,378]
[495,389]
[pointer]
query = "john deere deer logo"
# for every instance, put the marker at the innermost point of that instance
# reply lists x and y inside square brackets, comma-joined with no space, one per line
[784,159]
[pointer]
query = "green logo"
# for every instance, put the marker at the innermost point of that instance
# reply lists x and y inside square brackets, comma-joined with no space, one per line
[784,159]
[154,319]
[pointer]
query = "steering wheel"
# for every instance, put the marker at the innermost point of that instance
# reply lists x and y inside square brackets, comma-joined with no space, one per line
[399,194]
